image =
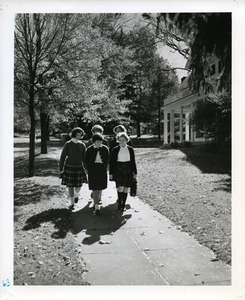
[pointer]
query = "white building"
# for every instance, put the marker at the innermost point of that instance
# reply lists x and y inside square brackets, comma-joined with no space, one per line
[177,109]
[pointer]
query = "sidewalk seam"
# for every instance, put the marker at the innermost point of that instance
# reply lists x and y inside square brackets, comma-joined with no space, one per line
[147,257]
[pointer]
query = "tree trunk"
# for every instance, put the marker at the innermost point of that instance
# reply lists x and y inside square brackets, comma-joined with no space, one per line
[43,120]
[32,137]
[139,115]
[138,128]
[159,110]
[159,124]
[47,127]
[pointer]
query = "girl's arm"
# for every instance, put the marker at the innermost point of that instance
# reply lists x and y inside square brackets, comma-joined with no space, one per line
[63,156]
[112,162]
[87,157]
[134,162]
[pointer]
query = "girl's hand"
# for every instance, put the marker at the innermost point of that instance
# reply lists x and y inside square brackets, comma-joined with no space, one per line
[111,177]
[135,176]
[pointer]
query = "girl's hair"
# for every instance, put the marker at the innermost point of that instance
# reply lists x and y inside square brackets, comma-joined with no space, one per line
[75,131]
[97,128]
[123,134]
[97,137]
[123,129]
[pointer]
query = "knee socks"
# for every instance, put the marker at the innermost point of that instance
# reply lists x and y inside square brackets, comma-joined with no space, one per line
[124,198]
[120,200]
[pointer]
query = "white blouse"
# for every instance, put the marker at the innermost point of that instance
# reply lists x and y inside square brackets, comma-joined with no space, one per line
[98,157]
[123,154]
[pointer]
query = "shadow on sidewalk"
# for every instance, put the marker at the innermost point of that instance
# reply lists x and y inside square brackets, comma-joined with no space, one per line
[64,221]
[108,222]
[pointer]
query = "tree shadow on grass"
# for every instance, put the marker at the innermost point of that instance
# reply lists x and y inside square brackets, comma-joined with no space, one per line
[224,185]
[44,166]
[61,218]
[209,160]
[26,192]
[107,223]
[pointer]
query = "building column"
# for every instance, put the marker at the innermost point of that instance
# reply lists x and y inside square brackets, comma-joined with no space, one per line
[165,138]
[187,127]
[192,131]
[172,126]
[181,124]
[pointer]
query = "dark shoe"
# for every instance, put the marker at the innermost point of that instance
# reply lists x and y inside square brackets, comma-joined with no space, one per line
[76,200]
[71,207]
[123,206]
[97,212]
[124,201]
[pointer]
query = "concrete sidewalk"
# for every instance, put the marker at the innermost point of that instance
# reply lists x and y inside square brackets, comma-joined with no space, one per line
[140,246]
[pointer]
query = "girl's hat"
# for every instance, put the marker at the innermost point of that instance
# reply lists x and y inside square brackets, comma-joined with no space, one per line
[97,128]
[121,127]
[76,130]
[123,134]
[97,137]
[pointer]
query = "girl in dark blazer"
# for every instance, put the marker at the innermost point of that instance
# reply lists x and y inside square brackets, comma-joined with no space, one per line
[96,161]
[122,168]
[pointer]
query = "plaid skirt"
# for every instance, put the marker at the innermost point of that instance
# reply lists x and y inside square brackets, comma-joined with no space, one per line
[74,176]
[123,174]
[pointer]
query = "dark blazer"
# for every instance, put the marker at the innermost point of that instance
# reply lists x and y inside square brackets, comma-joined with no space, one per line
[114,157]
[91,153]
[115,143]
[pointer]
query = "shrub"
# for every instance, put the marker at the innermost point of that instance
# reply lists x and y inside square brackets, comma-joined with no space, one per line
[213,116]
[187,144]
[174,145]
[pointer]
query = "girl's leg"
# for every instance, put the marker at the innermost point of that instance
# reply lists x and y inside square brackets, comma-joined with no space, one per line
[124,197]
[76,194]
[120,190]
[71,194]
[96,200]
[100,193]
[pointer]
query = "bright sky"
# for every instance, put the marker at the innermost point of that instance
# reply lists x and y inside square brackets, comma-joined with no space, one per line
[175,59]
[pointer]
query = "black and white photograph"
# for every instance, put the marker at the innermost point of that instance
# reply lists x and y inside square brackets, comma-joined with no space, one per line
[122,145]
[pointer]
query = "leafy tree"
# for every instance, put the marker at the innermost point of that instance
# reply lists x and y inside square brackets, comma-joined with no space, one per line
[47,46]
[141,41]
[150,80]
[164,83]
